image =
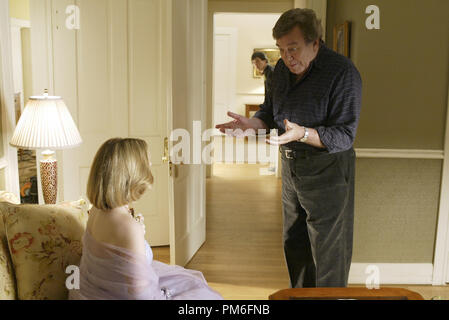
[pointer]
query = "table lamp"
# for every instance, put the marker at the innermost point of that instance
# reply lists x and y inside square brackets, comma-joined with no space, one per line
[46,124]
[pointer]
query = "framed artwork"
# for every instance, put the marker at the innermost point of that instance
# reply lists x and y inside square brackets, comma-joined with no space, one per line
[273,55]
[341,38]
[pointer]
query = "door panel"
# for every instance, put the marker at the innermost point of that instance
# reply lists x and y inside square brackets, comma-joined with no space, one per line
[188,231]
[148,110]
[109,74]
[115,75]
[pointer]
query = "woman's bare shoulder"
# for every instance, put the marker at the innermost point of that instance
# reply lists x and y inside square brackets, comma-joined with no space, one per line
[117,229]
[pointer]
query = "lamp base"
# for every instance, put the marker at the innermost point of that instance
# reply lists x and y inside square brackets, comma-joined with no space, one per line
[49,177]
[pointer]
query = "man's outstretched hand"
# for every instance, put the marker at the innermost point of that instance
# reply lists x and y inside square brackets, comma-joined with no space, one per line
[240,125]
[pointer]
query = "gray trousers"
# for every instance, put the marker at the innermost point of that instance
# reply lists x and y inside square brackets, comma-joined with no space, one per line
[318,215]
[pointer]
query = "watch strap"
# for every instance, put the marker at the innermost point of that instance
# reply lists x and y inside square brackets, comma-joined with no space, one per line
[306,135]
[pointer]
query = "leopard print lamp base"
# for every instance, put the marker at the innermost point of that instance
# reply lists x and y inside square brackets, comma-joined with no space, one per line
[49,170]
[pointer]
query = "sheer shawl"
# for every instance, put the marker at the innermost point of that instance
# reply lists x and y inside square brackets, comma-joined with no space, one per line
[108,272]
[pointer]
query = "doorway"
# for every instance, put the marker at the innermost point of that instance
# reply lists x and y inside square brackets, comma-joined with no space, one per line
[243,197]
[237,86]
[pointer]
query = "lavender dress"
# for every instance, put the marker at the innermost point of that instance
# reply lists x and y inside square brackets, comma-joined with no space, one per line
[110,272]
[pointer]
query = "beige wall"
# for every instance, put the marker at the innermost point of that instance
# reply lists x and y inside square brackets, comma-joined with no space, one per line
[19,9]
[404,67]
[26,64]
[396,209]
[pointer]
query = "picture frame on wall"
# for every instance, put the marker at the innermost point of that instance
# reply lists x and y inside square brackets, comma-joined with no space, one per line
[341,38]
[273,55]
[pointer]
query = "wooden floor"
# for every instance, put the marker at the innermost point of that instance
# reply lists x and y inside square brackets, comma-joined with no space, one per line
[242,257]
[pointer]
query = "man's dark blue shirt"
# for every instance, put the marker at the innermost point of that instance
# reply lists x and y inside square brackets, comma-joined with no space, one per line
[327,98]
[268,75]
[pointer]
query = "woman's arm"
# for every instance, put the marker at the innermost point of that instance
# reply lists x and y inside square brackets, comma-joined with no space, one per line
[130,236]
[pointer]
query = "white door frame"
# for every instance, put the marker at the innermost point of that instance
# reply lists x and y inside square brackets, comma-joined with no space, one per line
[441,256]
[16,41]
[188,95]
[233,34]
[9,161]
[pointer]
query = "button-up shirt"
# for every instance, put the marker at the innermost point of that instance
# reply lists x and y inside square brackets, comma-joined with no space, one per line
[327,98]
[268,75]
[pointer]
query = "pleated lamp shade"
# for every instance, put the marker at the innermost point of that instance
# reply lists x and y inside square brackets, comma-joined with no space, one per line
[46,123]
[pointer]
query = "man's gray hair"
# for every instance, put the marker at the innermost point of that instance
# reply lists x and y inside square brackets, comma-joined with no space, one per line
[305,19]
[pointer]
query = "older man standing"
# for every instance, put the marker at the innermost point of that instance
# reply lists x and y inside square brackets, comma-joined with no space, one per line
[315,104]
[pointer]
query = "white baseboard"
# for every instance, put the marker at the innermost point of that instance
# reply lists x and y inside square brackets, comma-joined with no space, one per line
[392,273]
[399,153]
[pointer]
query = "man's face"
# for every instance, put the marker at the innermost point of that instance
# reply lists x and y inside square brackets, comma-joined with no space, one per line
[260,64]
[295,52]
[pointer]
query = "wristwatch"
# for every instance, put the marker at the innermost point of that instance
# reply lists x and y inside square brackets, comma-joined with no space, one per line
[306,135]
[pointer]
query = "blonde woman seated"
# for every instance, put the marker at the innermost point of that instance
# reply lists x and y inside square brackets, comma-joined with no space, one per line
[117,263]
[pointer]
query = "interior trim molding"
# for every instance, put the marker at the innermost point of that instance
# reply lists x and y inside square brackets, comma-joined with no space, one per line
[250,94]
[3,164]
[441,254]
[391,273]
[399,153]
[20,23]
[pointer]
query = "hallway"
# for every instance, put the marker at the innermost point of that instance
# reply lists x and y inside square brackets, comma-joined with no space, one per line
[243,251]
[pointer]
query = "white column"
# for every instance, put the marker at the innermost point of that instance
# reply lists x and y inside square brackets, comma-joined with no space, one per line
[441,260]
[7,114]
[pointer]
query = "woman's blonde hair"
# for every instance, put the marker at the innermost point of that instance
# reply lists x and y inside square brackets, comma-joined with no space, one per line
[120,173]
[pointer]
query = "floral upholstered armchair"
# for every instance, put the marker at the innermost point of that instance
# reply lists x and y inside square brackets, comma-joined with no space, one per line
[37,244]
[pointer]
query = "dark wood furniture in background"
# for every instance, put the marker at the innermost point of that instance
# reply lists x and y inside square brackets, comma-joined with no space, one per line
[249,108]
[345,294]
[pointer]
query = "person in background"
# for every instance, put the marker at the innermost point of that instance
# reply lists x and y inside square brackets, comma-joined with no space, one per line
[117,262]
[260,61]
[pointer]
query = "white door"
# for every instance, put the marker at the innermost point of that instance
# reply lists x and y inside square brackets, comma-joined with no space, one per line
[114,71]
[9,174]
[225,51]
[110,72]
[188,190]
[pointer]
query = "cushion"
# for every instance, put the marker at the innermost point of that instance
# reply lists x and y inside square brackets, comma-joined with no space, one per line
[7,280]
[43,241]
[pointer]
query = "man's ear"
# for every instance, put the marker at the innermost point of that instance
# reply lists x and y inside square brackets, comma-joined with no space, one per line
[316,44]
